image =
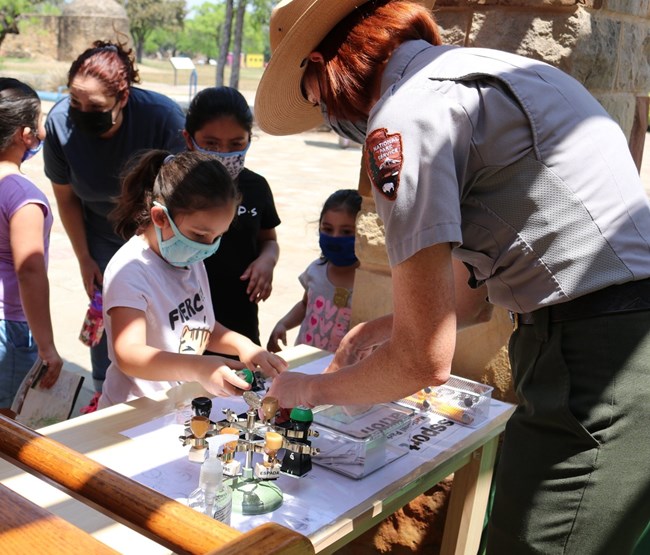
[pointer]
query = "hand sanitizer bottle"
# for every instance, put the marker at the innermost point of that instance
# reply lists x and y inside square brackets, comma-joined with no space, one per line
[213,497]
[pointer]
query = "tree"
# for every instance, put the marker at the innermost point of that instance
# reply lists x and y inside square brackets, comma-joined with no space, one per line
[203,30]
[237,46]
[202,33]
[256,38]
[164,42]
[224,43]
[10,13]
[147,15]
[261,11]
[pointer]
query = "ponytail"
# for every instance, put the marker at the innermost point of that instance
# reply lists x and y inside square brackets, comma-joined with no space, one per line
[184,182]
[131,215]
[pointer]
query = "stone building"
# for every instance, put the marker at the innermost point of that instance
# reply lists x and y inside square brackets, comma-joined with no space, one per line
[84,21]
[63,37]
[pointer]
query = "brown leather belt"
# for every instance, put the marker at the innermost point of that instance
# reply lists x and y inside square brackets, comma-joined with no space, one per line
[631,296]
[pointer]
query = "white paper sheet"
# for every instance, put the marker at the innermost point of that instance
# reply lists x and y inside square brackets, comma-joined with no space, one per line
[310,502]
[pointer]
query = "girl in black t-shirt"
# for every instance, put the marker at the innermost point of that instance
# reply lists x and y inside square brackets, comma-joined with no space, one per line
[219,122]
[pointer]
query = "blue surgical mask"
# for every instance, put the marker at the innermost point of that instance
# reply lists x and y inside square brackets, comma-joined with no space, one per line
[232,161]
[338,250]
[355,131]
[179,250]
[31,152]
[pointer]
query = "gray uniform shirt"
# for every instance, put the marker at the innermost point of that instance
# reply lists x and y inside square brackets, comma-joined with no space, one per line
[514,163]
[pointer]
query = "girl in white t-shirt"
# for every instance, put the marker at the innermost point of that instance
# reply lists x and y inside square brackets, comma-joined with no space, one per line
[157,303]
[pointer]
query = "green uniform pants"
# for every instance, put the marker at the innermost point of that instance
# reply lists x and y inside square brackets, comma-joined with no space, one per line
[574,471]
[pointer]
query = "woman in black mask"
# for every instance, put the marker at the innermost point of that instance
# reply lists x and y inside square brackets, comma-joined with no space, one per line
[90,135]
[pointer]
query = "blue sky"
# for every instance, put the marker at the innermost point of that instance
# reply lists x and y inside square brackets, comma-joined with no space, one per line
[193,3]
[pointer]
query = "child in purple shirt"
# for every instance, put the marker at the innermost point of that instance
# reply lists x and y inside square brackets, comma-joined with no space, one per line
[25,224]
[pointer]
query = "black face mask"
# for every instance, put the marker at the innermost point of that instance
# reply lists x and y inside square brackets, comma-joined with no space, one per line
[355,131]
[92,123]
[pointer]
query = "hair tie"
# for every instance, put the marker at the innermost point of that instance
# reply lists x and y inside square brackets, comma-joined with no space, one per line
[110,48]
[168,158]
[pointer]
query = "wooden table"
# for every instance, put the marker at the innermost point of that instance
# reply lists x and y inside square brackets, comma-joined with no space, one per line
[98,436]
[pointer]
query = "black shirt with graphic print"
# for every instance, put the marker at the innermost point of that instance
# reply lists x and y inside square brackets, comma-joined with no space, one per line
[239,247]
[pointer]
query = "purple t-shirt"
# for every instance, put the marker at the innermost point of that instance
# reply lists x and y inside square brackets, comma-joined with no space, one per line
[15,192]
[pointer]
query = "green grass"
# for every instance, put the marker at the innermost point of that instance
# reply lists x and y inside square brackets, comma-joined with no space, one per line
[40,74]
[161,71]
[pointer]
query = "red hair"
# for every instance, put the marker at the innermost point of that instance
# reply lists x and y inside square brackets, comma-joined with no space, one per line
[358,45]
[109,63]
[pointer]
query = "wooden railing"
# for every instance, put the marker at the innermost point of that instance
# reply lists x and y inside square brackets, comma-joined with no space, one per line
[163,520]
[27,528]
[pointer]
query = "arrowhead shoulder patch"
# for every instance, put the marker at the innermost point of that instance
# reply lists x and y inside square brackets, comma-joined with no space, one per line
[384,161]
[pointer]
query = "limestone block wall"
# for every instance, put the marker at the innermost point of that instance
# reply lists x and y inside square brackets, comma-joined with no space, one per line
[605,44]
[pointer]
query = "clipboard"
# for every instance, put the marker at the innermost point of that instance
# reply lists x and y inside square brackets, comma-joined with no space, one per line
[36,406]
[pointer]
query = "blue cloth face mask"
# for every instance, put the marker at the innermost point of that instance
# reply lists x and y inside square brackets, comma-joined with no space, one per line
[180,251]
[338,250]
[232,161]
[31,152]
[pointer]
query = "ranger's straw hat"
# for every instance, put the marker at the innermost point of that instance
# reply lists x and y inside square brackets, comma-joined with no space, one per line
[297,27]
